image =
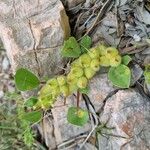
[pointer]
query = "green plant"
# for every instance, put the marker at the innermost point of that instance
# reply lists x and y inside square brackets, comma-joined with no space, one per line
[147,74]
[83,68]
[15,133]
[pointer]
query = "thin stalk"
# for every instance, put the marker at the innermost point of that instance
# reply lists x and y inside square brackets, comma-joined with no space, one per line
[7,128]
[65,101]
[78,98]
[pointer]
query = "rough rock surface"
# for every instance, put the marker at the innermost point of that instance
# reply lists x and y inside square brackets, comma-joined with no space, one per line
[129,113]
[100,87]
[6,82]
[32,33]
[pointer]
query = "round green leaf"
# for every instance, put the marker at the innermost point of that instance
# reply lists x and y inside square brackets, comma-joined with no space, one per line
[77,116]
[120,76]
[85,43]
[30,102]
[32,117]
[126,59]
[26,80]
[71,48]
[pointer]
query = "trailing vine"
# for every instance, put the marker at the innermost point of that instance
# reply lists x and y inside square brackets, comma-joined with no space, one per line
[87,62]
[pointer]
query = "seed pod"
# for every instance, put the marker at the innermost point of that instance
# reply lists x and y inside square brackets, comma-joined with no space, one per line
[95,64]
[45,90]
[44,102]
[61,80]
[104,61]
[76,72]
[76,63]
[114,62]
[53,83]
[85,60]
[82,82]
[102,50]
[89,73]
[112,51]
[94,53]
[64,90]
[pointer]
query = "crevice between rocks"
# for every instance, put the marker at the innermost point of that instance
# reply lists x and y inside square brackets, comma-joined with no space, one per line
[105,100]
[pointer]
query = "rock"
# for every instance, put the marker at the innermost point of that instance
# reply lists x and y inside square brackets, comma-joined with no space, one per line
[5,64]
[129,113]
[147,60]
[136,73]
[110,20]
[46,129]
[88,146]
[33,33]
[136,38]
[100,87]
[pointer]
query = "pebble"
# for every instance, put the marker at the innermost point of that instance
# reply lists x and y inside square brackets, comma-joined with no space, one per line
[137,38]
[1,94]
[5,64]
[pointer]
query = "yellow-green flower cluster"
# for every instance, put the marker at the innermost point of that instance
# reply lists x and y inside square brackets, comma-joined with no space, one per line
[82,69]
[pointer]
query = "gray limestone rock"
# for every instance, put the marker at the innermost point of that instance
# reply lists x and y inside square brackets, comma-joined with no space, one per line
[129,113]
[33,33]
[100,87]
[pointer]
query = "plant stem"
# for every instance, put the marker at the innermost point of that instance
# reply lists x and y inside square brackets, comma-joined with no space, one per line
[7,128]
[78,98]
[64,101]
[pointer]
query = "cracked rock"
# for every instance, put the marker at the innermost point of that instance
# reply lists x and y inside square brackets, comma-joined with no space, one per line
[129,114]
[100,87]
[33,32]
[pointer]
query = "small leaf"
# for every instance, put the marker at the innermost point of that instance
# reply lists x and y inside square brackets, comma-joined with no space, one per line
[126,59]
[85,43]
[120,76]
[26,80]
[77,116]
[147,77]
[32,117]
[84,90]
[71,48]
[147,74]
[30,102]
